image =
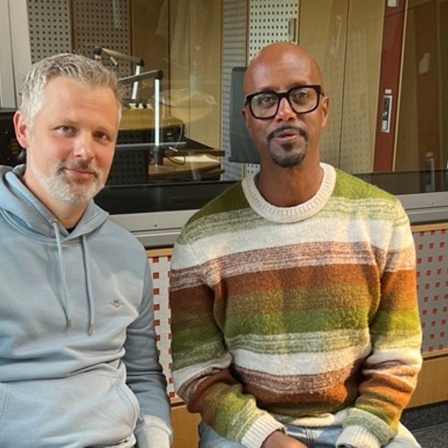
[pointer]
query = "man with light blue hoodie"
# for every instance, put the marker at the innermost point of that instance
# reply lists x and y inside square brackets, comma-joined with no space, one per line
[78,357]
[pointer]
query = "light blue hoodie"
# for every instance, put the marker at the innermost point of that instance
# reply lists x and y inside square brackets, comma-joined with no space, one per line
[78,358]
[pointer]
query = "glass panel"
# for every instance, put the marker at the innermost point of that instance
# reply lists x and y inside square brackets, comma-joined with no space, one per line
[385,67]
[346,37]
[422,142]
[167,56]
[179,134]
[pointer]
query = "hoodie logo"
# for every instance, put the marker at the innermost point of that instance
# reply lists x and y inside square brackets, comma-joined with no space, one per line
[117,303]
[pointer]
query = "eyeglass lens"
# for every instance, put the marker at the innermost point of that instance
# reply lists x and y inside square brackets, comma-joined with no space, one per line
[301,100]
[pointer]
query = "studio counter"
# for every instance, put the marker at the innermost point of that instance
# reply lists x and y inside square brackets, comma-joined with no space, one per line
[155,213]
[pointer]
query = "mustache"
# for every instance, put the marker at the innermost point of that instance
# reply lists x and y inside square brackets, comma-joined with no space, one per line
[82,165]
[295,129]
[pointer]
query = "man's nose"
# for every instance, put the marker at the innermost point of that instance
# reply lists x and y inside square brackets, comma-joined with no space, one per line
[285,111]
[84,146]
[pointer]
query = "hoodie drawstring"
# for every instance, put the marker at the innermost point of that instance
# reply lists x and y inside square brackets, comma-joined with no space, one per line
[89,287]
[63,273]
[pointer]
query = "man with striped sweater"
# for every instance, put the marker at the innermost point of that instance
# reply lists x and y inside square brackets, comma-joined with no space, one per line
[293,295]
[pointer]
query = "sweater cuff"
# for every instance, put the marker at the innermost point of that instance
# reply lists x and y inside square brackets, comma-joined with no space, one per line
[357,436]
[155,434]
[362,424]
[261,430]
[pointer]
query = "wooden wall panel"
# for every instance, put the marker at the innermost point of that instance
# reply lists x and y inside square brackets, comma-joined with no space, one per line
[394,19]
[185,427]
[361,83]
[322,32]
[406,156]
[432,385]
[345,38]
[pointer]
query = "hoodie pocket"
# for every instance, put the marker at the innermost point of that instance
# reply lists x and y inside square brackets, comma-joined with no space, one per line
[126,395]
[86,409]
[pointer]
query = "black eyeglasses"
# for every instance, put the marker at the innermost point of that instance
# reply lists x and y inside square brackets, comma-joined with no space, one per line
[302,99]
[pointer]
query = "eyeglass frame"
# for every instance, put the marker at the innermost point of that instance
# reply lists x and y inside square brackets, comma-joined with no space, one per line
[280,95]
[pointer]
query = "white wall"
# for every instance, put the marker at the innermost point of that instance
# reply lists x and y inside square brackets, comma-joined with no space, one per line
[15,55]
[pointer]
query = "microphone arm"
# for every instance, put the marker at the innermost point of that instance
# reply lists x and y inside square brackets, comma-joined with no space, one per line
[157,75]
[114,55]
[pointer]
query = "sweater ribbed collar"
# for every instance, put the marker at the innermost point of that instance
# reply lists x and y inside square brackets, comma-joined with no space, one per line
[290,214]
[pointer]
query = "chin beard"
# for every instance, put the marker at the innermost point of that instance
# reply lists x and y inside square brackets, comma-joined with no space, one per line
[74,193]
[285,158]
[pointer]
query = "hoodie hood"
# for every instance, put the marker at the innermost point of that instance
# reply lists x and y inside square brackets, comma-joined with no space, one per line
[24,212]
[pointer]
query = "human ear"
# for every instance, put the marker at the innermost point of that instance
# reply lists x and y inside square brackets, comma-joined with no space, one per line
[247,121]
[21,129]
[324,108]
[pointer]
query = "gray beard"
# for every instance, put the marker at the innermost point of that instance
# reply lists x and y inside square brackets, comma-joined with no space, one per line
[74,193]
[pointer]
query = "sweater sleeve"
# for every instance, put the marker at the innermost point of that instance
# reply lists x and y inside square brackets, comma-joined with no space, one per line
[390,371]
[145,376]
[201,373]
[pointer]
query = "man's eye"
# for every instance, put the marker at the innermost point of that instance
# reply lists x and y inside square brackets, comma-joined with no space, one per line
[64,129]
[101,136]
[300,96]
[265,100]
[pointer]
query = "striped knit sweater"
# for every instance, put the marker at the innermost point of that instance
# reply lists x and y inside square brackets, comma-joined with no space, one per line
[304,315]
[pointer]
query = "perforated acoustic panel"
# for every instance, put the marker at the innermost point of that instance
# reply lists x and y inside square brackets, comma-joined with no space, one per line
[432,283]
[234,55]
[269,22]
[91,22]
[49,27]
[106,24]
[355,140]
[160,267]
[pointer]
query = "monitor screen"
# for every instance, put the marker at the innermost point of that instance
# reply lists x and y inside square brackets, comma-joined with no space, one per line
[242,148]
